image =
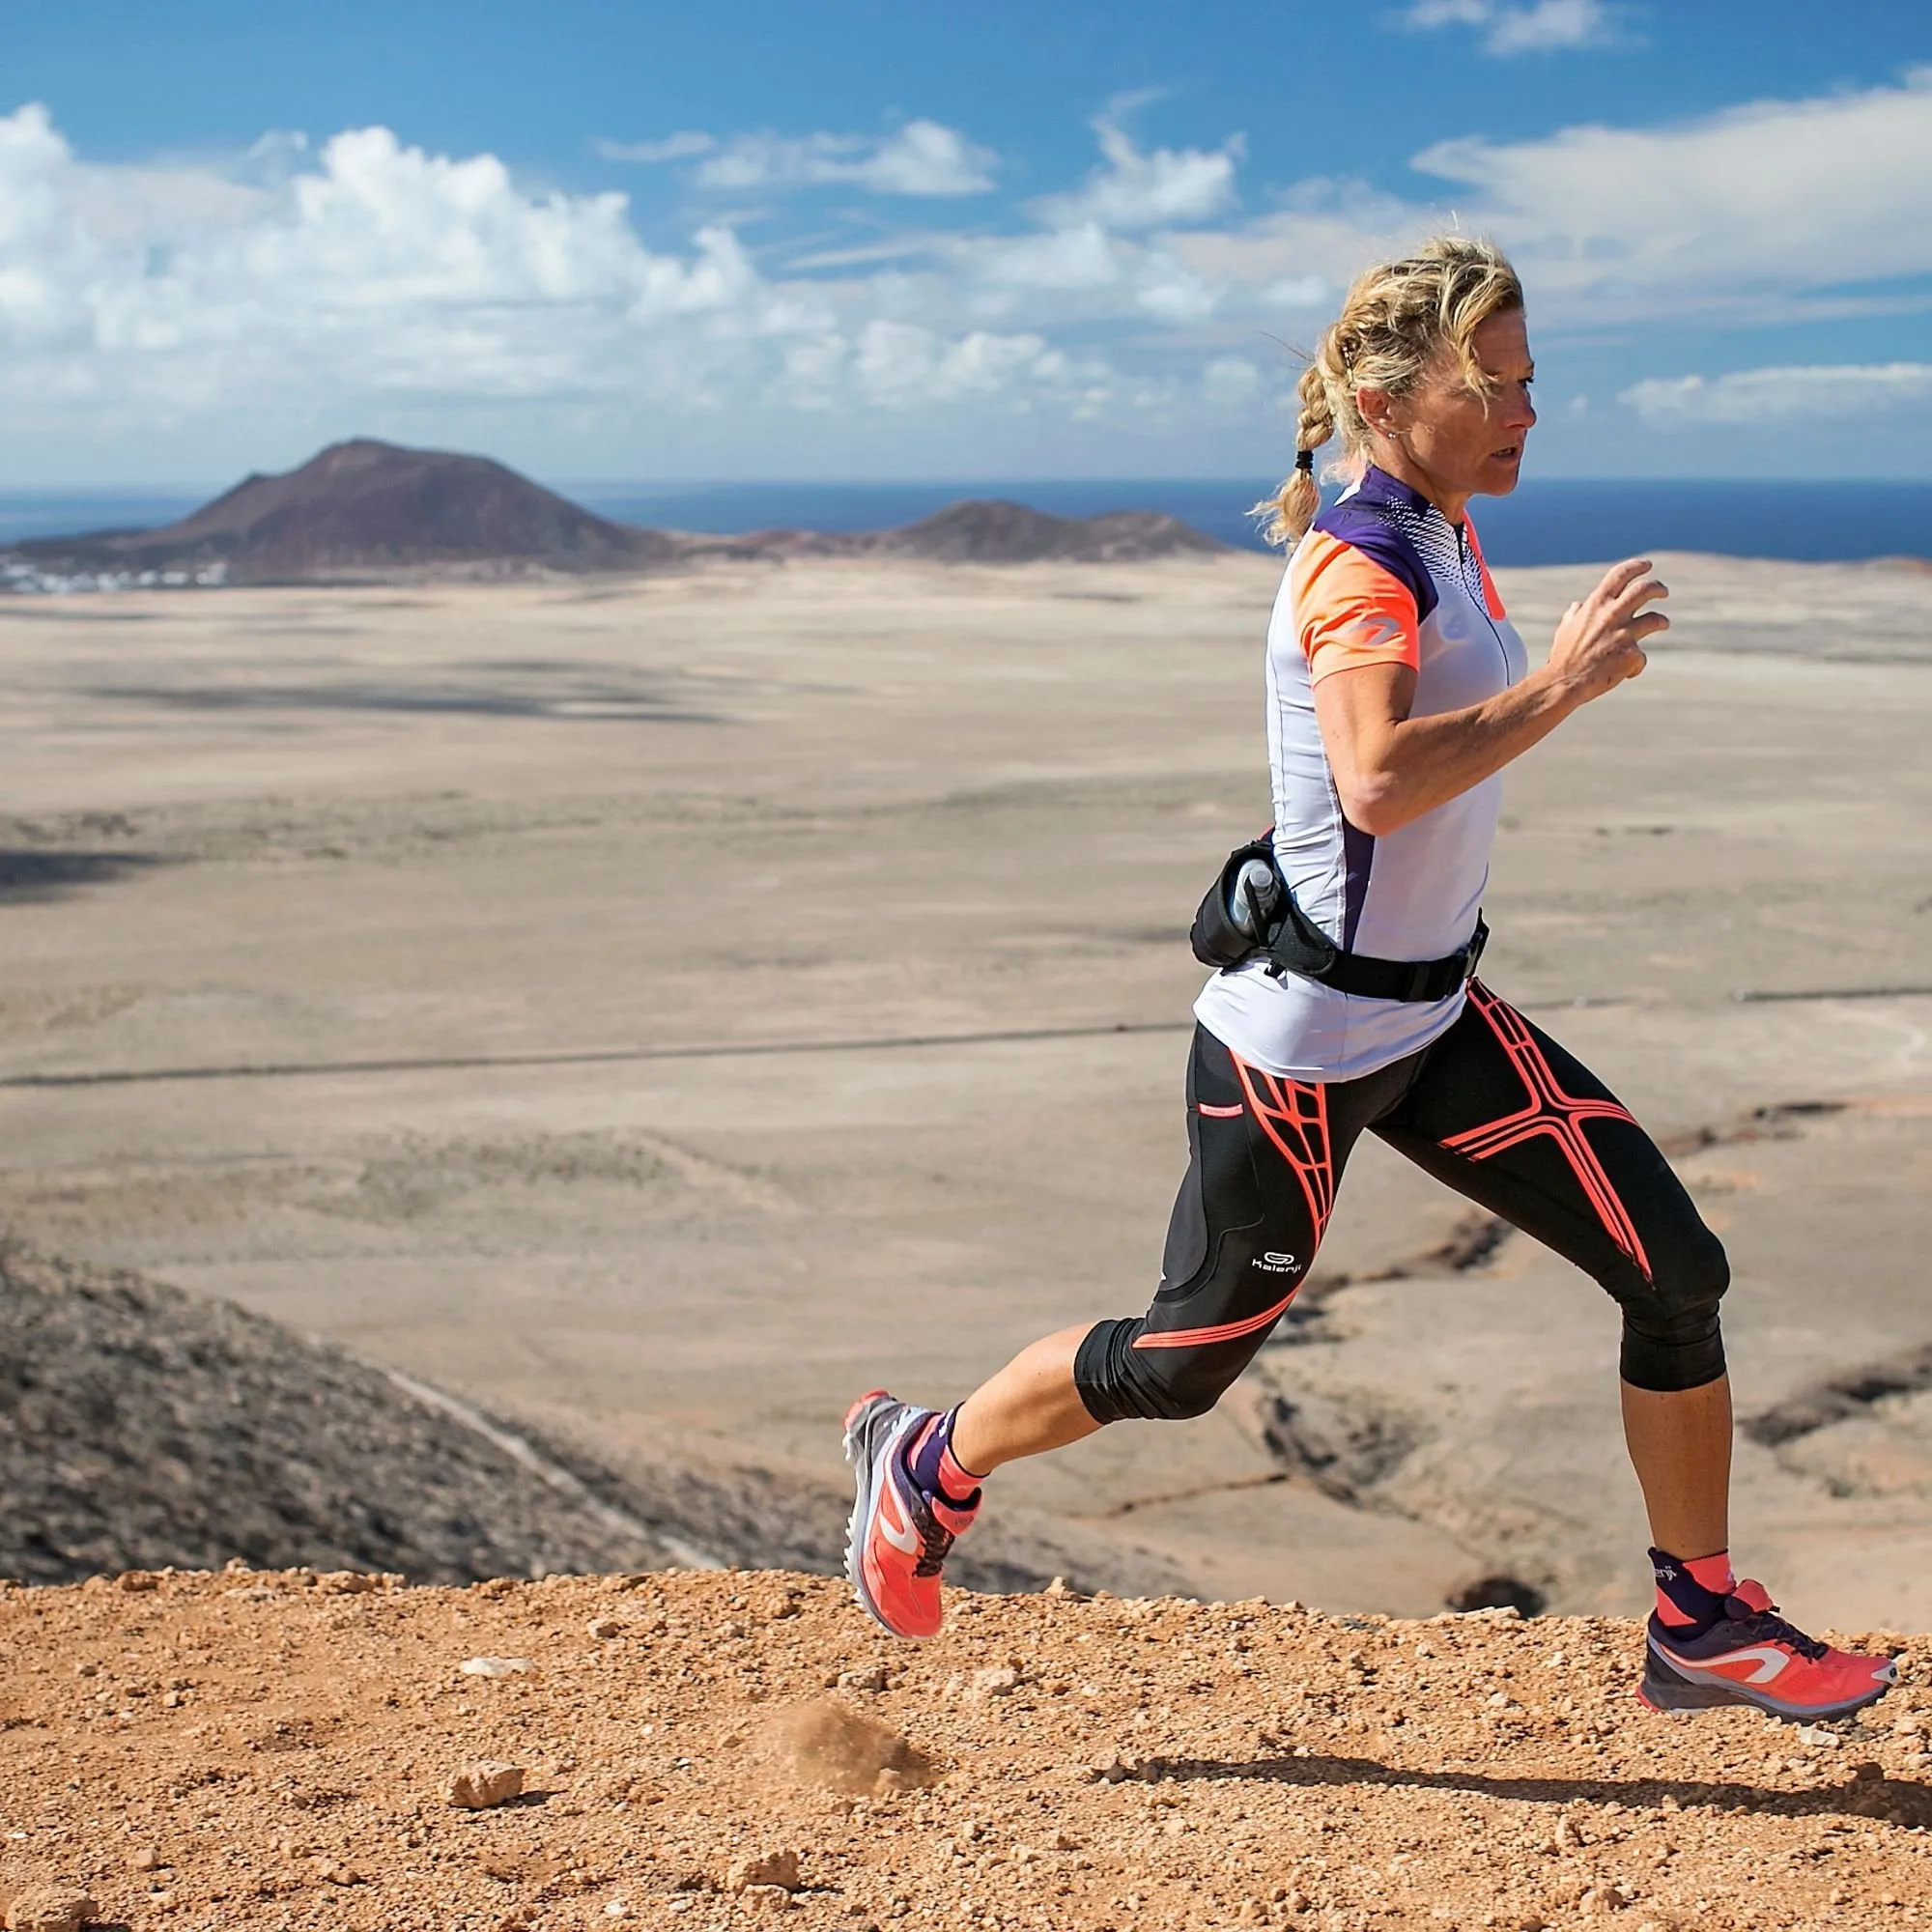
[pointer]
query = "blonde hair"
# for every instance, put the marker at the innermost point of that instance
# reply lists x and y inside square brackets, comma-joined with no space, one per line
[1398,316]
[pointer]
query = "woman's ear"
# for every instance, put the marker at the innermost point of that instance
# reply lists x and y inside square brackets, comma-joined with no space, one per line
[1378,411]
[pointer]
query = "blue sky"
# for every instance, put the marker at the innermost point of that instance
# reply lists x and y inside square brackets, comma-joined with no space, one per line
[867,239]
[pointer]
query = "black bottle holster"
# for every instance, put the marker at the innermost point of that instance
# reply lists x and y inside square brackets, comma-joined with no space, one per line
[1292,943]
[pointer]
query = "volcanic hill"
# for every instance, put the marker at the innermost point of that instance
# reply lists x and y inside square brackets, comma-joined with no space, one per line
[368,510]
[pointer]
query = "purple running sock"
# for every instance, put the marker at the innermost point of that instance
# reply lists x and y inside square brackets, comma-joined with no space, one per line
[1686,1599]
[932,1464]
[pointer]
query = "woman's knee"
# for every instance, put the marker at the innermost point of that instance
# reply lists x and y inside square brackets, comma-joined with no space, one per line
[1673,1336]
[1117,1380]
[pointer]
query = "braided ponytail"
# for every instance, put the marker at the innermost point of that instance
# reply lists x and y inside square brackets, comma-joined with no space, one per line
[1397,319]
[1292,507]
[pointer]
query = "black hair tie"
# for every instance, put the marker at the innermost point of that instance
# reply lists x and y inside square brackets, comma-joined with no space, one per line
[1304,461]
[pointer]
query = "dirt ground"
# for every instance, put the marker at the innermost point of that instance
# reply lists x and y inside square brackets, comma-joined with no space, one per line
[659,1011]
[273,1751]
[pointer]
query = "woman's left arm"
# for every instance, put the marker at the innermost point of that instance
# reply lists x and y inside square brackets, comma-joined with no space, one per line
[1390,768]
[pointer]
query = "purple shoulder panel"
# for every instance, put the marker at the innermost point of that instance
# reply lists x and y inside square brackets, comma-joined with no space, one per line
[1365,525]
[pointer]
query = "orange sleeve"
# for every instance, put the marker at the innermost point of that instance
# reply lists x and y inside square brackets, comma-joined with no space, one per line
[1350,611]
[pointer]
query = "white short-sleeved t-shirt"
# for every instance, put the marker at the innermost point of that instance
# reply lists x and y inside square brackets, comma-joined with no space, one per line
[1382,577]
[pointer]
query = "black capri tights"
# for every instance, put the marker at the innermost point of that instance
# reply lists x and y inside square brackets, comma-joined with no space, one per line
[1494,1108]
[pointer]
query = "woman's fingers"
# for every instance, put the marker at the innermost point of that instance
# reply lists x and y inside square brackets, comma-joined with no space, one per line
[1619,578]
[1634,595]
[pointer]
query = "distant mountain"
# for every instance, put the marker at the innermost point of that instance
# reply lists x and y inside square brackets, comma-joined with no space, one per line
[366,510]
[999,531]
[361,509]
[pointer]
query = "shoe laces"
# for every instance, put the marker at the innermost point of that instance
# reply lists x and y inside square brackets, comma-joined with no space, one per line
[935,1539]
[1766,1626]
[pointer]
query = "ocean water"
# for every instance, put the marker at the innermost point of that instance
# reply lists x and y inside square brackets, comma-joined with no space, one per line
[1560,521]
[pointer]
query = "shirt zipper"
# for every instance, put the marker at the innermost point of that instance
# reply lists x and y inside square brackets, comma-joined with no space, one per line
[1461,559]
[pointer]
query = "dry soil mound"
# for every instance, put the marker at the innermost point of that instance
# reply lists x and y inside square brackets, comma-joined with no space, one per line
[142,1427]
[702,1750]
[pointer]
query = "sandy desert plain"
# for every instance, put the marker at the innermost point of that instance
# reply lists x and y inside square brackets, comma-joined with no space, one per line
[657,1010]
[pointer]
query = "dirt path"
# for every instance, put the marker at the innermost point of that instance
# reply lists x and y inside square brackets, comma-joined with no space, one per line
[272,1749]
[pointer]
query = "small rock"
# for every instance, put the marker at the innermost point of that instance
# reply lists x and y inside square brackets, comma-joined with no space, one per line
[136,1580]
[1610,1896]
[1000,1680]
[1817,1735]
[50,1907]
[478,1786]
[778,1869]
[603,1627]
[145,1857]
[496,1667]
[346,1582]
[870,1677]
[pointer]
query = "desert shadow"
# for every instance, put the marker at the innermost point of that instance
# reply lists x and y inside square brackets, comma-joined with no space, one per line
[1898,1800]
[28,875]
[568,703]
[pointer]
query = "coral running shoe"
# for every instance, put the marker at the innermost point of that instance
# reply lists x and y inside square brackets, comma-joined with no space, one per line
[1752,1656]
[898,1535]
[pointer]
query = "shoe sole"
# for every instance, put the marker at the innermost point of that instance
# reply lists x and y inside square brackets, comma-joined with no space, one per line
[1671,1696]
[865,1462]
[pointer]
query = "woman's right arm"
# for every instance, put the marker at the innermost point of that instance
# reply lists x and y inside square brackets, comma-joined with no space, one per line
[1391,768]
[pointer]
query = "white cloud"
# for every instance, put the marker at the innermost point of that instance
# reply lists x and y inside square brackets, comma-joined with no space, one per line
[378,271]
[1134,190]
[920,158]
[1299,292]
[1782,394]
[1064,258]
[1542,27]
[1775,212]
[901,364]
[362,275]
[683,147]
[1231,383]
[1754,207]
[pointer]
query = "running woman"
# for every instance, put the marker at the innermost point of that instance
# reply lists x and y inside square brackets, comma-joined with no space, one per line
[1397,692]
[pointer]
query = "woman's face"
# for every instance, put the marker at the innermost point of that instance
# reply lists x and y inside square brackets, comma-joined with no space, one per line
[1467,442]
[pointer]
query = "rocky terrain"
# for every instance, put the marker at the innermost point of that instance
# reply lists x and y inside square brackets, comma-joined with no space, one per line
[290,1749]
[143,1428]
[366,510]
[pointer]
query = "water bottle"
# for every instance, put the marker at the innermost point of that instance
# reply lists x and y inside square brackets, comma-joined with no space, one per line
[1255,887]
